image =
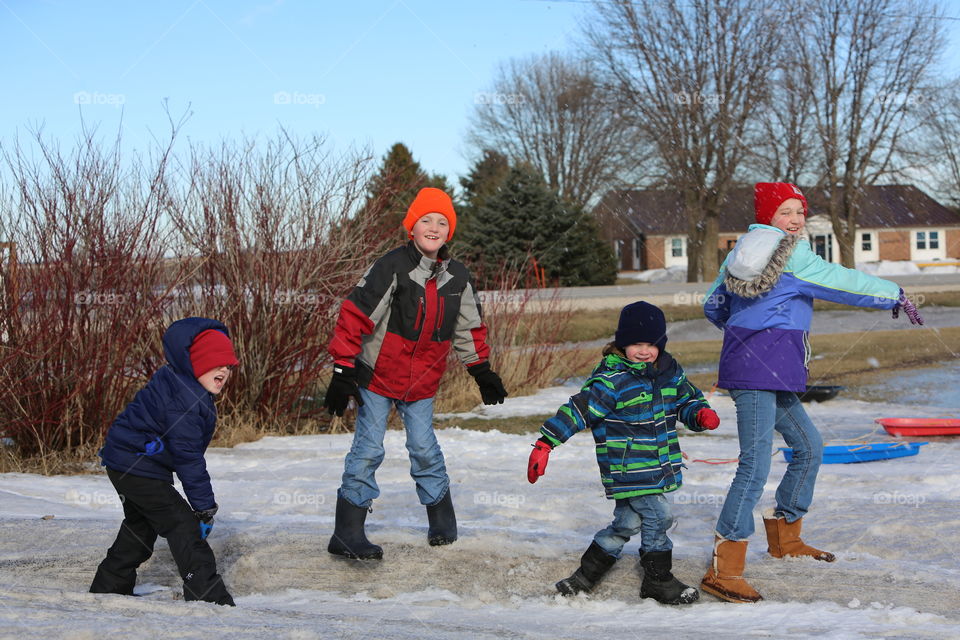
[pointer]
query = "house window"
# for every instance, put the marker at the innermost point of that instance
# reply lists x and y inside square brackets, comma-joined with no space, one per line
[676,247]
[866,242]
[921,239]
[618,249]
[934,239]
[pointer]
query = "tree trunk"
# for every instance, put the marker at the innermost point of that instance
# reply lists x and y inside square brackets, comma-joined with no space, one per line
[711,244]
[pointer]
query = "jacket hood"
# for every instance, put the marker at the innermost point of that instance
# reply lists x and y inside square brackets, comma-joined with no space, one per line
[179,336]
[758,259]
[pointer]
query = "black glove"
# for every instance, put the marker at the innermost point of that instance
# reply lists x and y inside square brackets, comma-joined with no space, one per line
[206,520]
[342,387]
[491,387]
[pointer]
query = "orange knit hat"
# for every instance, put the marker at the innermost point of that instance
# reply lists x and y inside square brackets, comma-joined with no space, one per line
[431,200]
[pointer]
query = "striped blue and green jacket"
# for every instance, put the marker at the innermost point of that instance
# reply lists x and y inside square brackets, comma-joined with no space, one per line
[632,409]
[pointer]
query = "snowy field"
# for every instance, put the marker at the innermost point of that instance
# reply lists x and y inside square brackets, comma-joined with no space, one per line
[894,525]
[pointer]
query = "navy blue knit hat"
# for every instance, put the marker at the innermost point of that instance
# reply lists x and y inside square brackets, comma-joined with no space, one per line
[641,322]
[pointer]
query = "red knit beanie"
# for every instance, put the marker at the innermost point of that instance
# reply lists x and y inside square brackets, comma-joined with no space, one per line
[767,196]
[431,200]
[211,349]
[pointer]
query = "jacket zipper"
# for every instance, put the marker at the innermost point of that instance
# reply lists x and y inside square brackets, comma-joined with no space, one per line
[416,324]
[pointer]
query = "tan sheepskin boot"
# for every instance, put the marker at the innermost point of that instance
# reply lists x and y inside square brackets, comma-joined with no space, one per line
[783,539]
[724,578]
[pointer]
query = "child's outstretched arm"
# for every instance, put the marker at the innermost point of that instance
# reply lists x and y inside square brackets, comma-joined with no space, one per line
[693,409]
[824,280]
[593,403]
[360,312]
[185,441]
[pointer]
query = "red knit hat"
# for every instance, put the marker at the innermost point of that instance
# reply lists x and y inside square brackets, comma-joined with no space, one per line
[211,349]
[431,200]
[767,196]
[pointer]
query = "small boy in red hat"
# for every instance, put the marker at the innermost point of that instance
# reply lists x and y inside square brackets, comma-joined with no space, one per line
[165,430]
[390,349]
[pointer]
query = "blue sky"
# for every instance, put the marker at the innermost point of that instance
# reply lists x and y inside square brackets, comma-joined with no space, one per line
[368,72]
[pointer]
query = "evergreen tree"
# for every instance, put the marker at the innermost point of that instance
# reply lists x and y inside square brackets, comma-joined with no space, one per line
[392,189]
[485,177]
[525,219]
[487,174]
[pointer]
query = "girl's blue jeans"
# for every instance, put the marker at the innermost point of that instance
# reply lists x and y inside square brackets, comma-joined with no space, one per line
[759,414]
[648,515]
[427,467]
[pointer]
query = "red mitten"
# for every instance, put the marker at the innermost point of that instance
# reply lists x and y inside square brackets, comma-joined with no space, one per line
[537,465]
[708,419]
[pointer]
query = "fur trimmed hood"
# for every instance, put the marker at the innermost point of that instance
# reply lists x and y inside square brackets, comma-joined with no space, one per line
[758,260]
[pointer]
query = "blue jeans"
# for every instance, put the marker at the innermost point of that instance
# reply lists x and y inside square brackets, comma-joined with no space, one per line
[648,515]
[359,487]
[759,413]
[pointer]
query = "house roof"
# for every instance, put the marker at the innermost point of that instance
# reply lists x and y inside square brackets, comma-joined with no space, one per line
[660,212]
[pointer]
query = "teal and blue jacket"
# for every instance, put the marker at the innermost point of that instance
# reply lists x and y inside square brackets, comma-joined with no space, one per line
[632,409]
[763,300]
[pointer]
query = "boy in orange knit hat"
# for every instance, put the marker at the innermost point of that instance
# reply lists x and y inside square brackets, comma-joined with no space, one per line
[166,429]
[390,349]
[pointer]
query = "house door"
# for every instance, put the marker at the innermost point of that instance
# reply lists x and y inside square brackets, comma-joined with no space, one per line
[640,253]
[823,246]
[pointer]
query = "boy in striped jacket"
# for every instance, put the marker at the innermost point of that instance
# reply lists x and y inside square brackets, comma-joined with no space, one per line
[632,402]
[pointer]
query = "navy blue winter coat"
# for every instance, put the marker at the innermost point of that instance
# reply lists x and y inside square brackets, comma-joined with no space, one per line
[168,425]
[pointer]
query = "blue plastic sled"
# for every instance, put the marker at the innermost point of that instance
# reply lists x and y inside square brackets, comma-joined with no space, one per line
[867,452]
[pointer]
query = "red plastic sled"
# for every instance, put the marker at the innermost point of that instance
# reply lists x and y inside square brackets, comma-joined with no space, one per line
[922,427]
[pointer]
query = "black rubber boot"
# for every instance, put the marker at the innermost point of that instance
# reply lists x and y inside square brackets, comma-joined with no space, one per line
[348,539]
[443,522]
[660,584]
[594,564]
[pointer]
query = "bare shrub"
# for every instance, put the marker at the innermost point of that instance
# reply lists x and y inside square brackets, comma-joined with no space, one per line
[82,319]
[278,238]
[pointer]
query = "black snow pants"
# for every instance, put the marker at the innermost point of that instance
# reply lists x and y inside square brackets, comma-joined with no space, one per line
[152,508]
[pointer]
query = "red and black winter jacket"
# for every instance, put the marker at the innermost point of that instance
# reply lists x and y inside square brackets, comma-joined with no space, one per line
[397,325]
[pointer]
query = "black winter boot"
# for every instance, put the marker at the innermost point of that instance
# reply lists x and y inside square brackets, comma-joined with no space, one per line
[348,539]
[660,584]
[443,522]
[594,564]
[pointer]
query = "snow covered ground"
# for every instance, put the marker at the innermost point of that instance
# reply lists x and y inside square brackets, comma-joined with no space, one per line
[894,525]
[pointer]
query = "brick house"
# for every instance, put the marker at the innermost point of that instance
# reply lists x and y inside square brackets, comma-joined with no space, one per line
[647,228]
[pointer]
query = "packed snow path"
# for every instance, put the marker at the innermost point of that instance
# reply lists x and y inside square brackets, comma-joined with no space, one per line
[894,525]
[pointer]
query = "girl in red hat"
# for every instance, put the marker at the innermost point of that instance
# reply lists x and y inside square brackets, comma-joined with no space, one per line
[390,349]
[763,301]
